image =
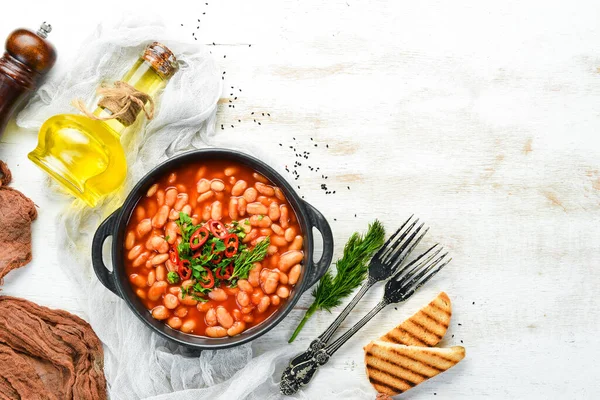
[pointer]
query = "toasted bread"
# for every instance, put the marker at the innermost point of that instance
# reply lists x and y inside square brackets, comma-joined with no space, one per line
[426,327]
[396,368]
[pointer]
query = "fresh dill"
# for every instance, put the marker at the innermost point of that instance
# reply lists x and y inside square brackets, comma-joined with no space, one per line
[352,270]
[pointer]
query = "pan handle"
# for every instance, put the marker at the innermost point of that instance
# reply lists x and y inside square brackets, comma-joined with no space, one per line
[317,220]
[105,230]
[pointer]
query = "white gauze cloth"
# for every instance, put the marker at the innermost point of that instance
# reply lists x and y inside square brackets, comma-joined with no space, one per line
[138,363]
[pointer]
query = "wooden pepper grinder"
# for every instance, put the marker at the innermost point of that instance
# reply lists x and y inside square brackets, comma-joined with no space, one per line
[27,58]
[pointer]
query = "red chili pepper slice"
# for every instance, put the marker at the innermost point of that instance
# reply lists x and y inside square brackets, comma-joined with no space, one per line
[219,273]
[218,259]
[232,243]
[198,238]
[174,256]
[228,271]
[211,279]
[184,271]
[217,228]
[218,254]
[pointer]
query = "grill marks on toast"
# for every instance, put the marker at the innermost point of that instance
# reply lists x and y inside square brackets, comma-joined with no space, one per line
[426,327]
[395,368]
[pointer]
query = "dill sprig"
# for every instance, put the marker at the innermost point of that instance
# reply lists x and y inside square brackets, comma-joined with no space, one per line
[352,270]
[243,264]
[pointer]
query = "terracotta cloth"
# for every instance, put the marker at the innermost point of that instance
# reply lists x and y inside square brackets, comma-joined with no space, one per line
[48,354]
[17,212]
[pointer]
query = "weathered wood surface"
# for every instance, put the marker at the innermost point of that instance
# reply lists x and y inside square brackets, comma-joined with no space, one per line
[480,117]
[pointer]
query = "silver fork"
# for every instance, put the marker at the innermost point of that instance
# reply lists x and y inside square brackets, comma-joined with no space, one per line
[399,288]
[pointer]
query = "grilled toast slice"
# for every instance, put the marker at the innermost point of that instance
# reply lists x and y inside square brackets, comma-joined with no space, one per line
[395,368]
[426,327]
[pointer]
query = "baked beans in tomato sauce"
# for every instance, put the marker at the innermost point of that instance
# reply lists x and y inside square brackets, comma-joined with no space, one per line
[213,249]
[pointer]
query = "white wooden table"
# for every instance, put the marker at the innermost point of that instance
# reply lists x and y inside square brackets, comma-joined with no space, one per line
[480,117]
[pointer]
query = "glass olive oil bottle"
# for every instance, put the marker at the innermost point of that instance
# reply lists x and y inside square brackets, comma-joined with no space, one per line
[83,152]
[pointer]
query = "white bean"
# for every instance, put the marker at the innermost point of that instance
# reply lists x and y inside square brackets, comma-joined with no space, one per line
[205,196]
[159,259]
[170,301]
[283,292]
[170,197]
[143,227]
[265,302]
[264,189]
[161,273]
[159,220]
[274,211]
[279,193]
[152,190]
[257,209]
[175,322]
[277,229]
[218,295]
[244,285]
[297,243]
[233,208]
[216,211]
[188,326]
[211,317]
[270,284]
[129,240]
[243,298]
[225,319]
[230,171]
[157,290]
[187,209]
[290,234]
[250,194]
[216,332]
[217,185]
[135,252]
[284,219]
[160,312]
[294,274]
[141,259]
[202,186]
[237,328]
[289,259]
[259,177]
[182,199]
[239,188]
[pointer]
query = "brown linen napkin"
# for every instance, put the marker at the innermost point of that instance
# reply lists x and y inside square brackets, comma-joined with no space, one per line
[48,354]
[17,212]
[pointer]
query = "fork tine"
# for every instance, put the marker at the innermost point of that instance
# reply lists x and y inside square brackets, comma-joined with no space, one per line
[392,238]
[426,274]
[391,248]
[402,252]
[417,264]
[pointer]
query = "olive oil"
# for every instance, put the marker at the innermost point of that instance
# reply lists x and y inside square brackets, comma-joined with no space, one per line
[85,154]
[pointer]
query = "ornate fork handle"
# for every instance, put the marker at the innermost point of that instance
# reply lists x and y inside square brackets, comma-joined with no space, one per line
[304,366]
[324,338]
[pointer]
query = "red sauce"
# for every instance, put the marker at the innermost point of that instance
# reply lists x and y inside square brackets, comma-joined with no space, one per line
[284,233]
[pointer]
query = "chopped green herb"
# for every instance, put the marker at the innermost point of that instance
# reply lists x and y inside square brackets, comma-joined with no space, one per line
[172,277]
[260,217]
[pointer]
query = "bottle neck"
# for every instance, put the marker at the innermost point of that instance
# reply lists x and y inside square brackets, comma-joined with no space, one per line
[143,78]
